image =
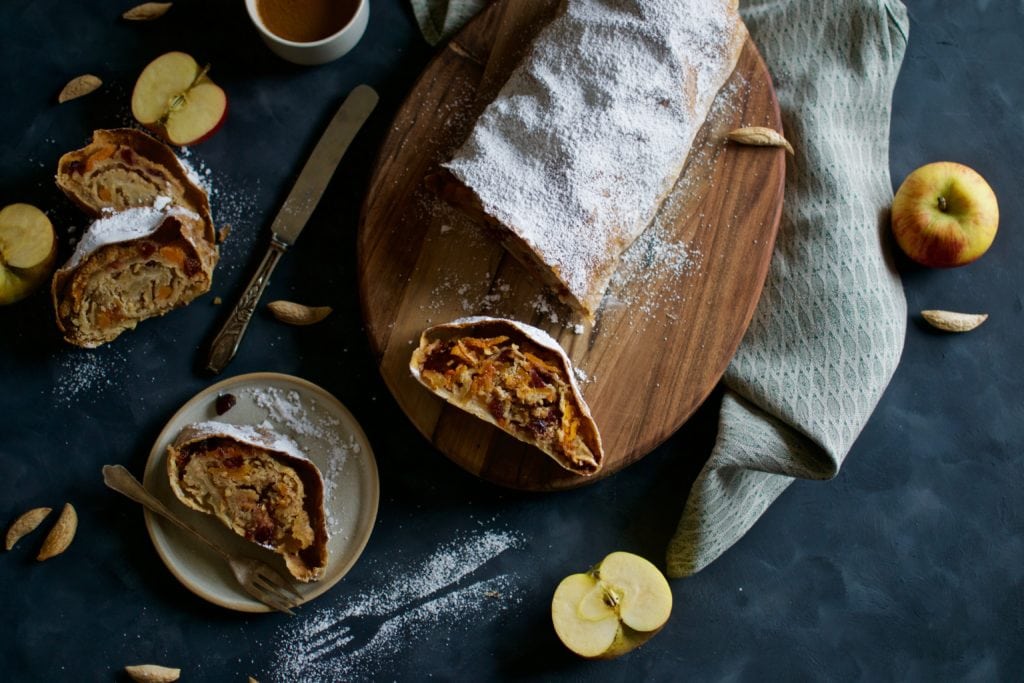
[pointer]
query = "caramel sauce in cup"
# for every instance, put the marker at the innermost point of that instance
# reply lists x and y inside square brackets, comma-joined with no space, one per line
[309,31]
[306,21]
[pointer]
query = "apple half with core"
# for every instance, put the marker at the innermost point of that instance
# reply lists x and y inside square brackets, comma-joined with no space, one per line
[613,608]
[944,215]
[175,98]
[28,251]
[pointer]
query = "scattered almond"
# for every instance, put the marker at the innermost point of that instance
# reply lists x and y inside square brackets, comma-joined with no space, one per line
[25,524]
[147,11]
[759,136]
[152,673]
[222,234]
[79,87]
[298,314]
[949,321]
[61,535]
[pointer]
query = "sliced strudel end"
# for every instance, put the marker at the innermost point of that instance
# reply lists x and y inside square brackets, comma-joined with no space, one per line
[259,484]
[515,377]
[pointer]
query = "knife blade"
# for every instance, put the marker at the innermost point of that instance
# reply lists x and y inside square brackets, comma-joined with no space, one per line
[292,217]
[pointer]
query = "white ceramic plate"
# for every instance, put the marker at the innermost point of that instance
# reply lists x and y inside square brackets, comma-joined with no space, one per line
[327,433]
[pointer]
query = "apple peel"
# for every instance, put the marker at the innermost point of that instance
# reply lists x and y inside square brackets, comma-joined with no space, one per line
[950,321]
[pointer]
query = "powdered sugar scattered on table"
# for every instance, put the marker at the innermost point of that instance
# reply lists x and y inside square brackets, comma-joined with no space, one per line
[410,602]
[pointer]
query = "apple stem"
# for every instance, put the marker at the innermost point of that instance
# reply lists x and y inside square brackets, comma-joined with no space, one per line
[202,74]
[943,204]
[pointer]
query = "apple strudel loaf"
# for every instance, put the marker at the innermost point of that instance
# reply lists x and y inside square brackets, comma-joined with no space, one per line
[152,247]
[572,160]
[515,377]
[259,485]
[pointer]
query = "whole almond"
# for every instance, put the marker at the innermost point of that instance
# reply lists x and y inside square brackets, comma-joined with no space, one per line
[147,11]
[79,87]
[759,136]
[152,673]
[61,535]
[297,314]
[25,524]
[948,321]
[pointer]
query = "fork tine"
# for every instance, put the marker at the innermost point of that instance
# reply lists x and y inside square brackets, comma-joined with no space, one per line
[271,599]
[278,581]
[274,591]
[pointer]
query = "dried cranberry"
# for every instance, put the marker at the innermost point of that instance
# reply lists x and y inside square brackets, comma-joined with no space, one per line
[146,248]
[191,266]
[127,155]
[225,402]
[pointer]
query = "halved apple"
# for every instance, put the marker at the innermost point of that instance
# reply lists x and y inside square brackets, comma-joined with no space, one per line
[612,609]
[28,251]
[175,98]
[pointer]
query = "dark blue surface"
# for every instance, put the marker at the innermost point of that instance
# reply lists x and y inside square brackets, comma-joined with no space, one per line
[907,566]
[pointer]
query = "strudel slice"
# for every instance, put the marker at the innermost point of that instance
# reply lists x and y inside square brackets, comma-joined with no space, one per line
[515,377]
[259,484]
[573,158]
[152,247]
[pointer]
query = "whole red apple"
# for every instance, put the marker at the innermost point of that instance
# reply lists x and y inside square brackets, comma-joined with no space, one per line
[944,215]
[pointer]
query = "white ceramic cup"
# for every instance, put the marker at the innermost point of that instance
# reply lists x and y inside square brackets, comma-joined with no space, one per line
[319,51]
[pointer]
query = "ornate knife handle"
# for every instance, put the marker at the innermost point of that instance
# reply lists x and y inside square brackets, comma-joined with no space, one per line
[225,344]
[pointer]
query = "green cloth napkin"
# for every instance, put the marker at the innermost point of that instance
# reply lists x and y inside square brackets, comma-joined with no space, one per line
[828,331]
[439,19]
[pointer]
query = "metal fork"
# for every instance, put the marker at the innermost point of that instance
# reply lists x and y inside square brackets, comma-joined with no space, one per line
[257,578]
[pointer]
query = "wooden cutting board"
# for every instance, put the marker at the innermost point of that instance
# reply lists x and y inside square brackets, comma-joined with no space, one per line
[673,316]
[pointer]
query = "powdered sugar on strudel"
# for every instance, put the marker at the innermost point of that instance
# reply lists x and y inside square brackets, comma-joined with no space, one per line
[575,155]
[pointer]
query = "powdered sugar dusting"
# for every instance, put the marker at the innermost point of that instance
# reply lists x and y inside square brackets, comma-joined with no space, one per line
[305,420]
[122,226]
[590,132]
[431,597]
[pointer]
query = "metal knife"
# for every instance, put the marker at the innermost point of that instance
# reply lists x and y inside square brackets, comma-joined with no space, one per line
[292,217]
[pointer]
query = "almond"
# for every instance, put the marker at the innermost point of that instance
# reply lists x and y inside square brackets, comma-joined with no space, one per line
[948,321]
[759,136]
[25,524]
[152,673]
[297,314]
[147,11]
[61,535]
[79,87]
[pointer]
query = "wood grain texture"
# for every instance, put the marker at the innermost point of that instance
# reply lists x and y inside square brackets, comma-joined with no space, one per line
[673,316]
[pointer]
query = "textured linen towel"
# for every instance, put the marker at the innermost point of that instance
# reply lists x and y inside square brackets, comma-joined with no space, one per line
[828,331]
[439,19]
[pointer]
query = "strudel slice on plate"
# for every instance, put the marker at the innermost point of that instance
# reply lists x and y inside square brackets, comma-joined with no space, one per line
[515,377]
[259,484]
[152,247]
[572,160]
